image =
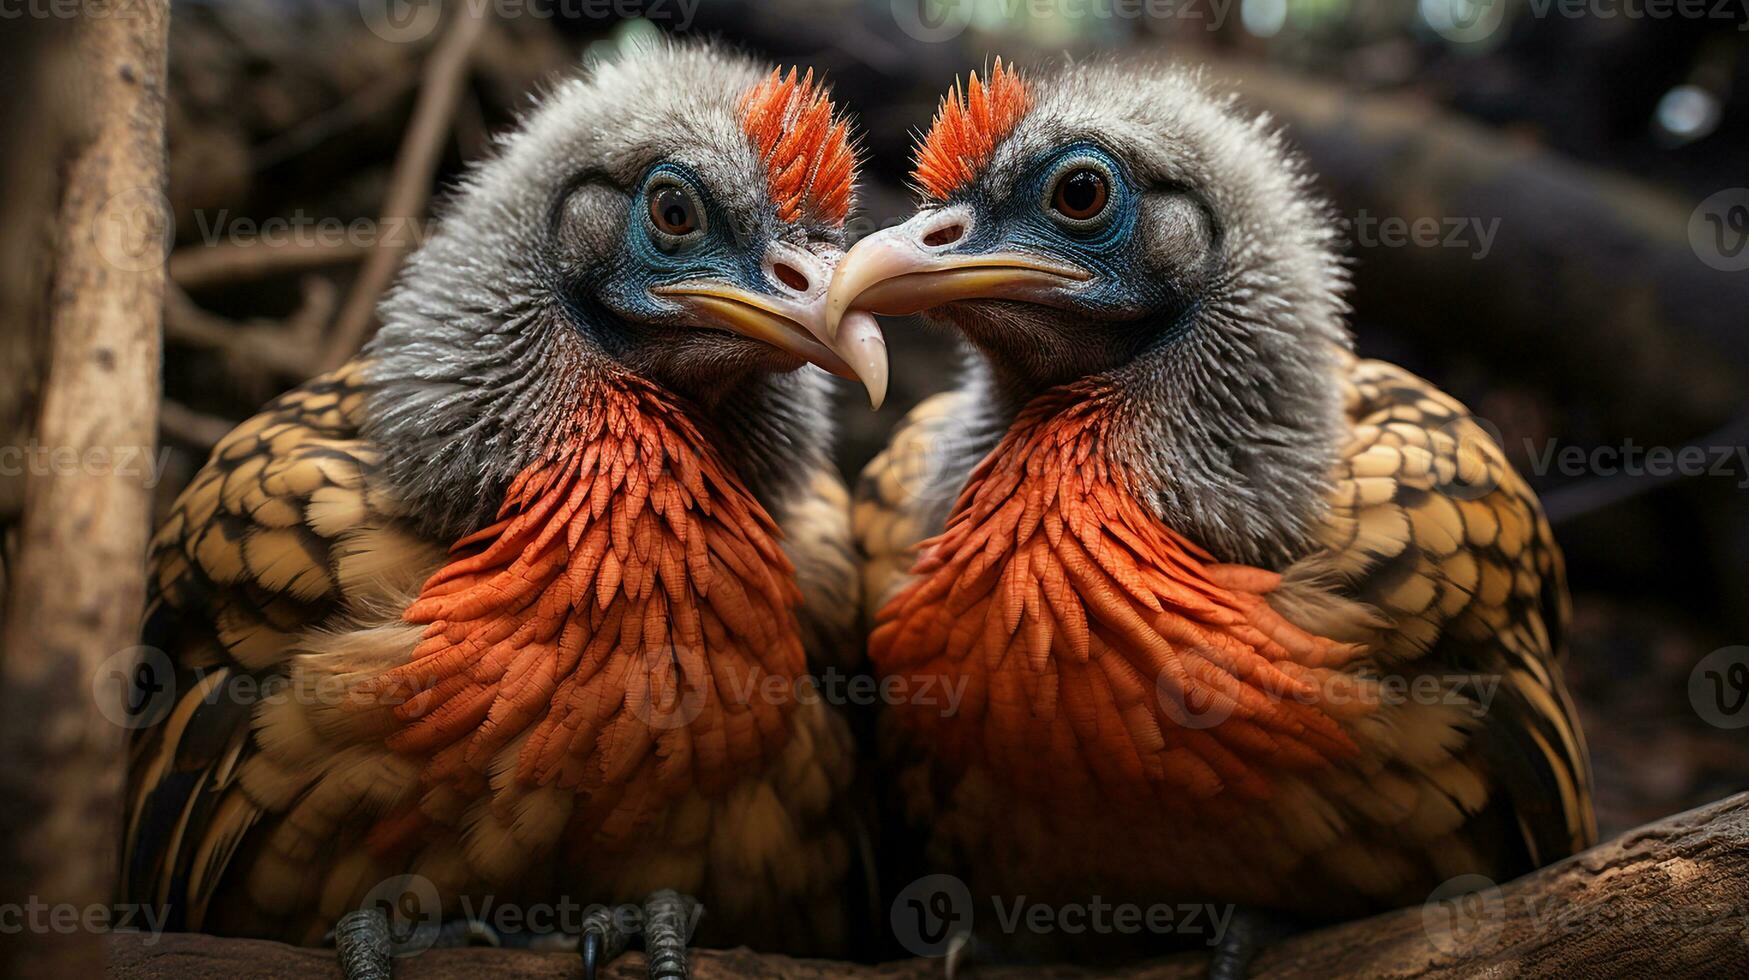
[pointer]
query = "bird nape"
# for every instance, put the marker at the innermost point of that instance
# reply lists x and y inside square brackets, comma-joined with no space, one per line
[1239,618]
[510,612]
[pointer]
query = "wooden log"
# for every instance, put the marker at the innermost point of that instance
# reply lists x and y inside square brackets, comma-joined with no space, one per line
[1669,899]
[1577,279]
[75,591]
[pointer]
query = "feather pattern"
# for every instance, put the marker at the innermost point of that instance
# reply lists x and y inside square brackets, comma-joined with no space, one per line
[631,605]
[1433,557]
[1098,645]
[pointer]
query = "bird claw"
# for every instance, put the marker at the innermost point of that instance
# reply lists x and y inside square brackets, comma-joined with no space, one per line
[961,951]
[1249,931]
[667,926]
[361,943]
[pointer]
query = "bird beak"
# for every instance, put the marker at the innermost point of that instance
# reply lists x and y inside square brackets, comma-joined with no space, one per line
[792,317]
[913,267]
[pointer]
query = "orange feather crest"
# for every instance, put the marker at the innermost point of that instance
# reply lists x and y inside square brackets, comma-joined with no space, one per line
[967,128]
[626,630]
[1104,659]
[810,168]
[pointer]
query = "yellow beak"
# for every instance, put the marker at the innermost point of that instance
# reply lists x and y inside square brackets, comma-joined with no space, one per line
[912,267]
[792,318]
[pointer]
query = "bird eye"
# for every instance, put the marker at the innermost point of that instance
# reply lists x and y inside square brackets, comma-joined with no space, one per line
[1080,194]
[673,211]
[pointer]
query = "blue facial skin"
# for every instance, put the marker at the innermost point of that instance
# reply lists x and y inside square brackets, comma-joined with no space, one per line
[1123,289]
[647,260]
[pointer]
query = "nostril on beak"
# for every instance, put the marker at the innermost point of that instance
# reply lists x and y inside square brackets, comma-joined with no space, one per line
[790,276]
[945,235]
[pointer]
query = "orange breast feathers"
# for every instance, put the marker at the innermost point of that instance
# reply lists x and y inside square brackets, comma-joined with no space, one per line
[631,618]
[1098,656]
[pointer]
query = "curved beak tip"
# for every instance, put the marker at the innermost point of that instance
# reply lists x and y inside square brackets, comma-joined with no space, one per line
[860,343]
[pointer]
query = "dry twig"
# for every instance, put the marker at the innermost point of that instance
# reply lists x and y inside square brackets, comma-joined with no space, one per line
[274,351]
[410,183]
[201,266]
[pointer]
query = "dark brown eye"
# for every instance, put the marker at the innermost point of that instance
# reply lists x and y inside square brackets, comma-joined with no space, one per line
[1080,194]
[672,211]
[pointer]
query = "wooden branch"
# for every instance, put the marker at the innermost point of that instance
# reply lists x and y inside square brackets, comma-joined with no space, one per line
[1669,899]
[200,266]
[1588,283]
[274,351]
[77,589]
[445,79]
[182,423]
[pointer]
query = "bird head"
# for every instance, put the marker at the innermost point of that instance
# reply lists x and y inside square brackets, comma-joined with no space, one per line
[1115,220]
[675,214]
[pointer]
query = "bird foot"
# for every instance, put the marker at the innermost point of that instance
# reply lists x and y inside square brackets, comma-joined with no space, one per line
[665,926]
[366,947]
[1247,934]
[361,940]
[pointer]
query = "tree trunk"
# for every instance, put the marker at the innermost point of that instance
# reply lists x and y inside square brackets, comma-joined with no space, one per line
[75,589]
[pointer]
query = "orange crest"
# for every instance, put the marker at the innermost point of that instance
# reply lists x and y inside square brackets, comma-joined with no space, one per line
[967,127]
[809,165]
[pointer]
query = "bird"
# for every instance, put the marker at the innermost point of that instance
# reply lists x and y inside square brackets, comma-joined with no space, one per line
[515,608]
[1239,616]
